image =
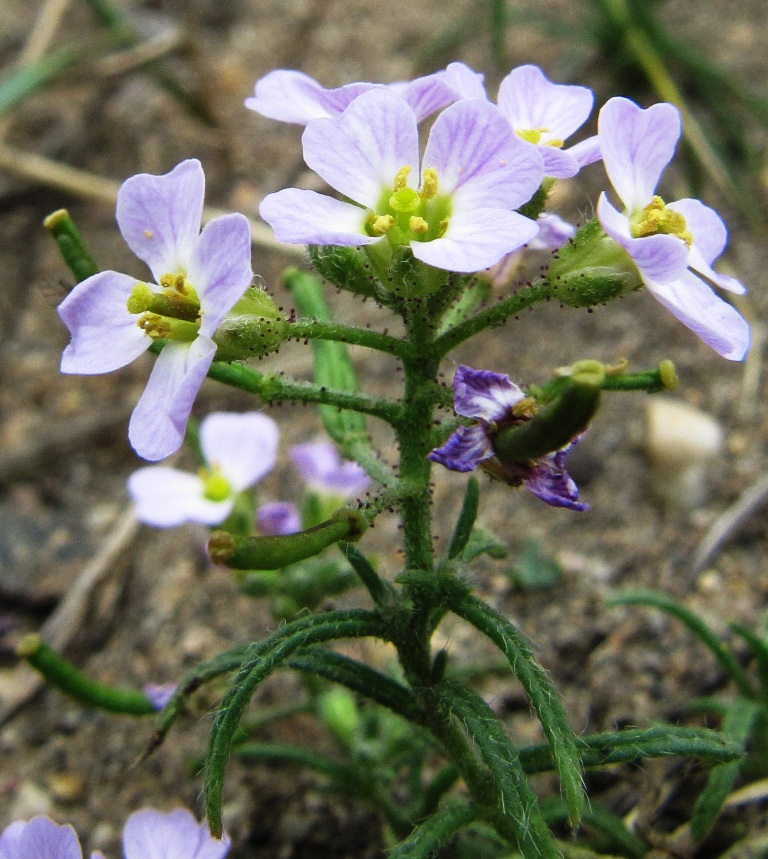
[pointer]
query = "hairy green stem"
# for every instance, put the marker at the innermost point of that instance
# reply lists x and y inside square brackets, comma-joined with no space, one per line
[315,329]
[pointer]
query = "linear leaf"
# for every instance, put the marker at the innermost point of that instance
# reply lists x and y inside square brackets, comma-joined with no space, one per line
[466,518]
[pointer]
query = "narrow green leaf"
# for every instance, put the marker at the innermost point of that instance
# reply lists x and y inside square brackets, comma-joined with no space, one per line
[621,839]
[29,78]
[380,590]
[484,542]
[759,648]
[511,792]
[466,519]
[737,725]
[435,832]
[540,691]
[654,599]
[261,659]
[288,753]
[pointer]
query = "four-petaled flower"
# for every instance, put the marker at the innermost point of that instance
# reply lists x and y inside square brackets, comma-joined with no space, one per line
[494,401]
[239,449]
[456,213]
[199,276]
[148,834]
[673,245]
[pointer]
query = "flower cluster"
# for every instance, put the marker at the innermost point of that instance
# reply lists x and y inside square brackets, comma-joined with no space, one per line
[148,834]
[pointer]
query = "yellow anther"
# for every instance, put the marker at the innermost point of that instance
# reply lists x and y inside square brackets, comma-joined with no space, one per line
[380,224]
[140,298]
[526,408]
[668,375]
[167,280]
[556,142]
[657,219]
[428,184]
[442,227]
[401,179]
[417,224]
[149,234]
[531,135]
[156,327]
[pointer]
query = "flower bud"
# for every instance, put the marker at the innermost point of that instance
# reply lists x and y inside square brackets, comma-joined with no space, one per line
[253,327]
[592,269]
[347,268]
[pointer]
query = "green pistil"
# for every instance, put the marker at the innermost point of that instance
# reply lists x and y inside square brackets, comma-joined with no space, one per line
[216,487]
[405,201]
[656,219]
[173,314]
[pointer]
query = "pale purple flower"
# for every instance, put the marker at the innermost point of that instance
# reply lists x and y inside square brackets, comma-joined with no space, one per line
[239,449]
[490,399]
[278,518]
[150,834]
[673,245]
[159,694]
[325,472]
[292,96]
[543,113]
[199,276]
[455,213]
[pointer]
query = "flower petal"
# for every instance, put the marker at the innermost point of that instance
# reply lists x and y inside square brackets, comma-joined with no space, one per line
[323,470]
[150,834]
[710,318]
[464,81]
[41,838]
[637,145]
[159,216]
[464,450]
[243,446]
[105,336]
[361,152]
[278,518]
[483,395]
[165,498]
[306,217]
[291,96]
[558,163]
[709,239]
[430,93]
[10,839]
[479,160]
[159,694]
[530,101]
[586,152]
[160,418]
[220,268]
[476,239]
[660,258]
[549,481]
[553,233]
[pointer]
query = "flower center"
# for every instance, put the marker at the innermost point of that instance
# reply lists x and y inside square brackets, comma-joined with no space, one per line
[173,313]
[405,215]
[216,487]
[657,219]
[534,135]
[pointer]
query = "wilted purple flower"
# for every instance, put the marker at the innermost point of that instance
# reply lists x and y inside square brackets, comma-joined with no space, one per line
[291,96]
[239,449]
[496,402]
[278,518]
[325,472]
[673,245]
[199,276]
[150,834]
[455,213]
[543,113]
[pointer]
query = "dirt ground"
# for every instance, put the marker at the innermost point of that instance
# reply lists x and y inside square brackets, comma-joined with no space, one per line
[159,608]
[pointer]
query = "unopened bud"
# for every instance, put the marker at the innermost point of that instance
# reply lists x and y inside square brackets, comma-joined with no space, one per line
[253,327]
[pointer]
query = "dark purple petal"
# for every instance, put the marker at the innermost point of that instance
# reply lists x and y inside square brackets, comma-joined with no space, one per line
[278,518]
[637,145]
[160,418]
[484,395]
[549,481]
[150,834]
[710,318]
[105,336]
[220,268]
[479,160]
[159,216]
[465,449]
[476,239]
[361,152]
[306,217]
[291,96]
